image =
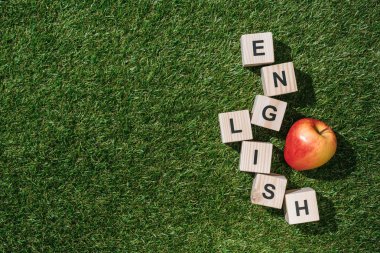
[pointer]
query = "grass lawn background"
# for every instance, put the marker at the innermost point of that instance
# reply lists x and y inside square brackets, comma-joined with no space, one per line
[110,141]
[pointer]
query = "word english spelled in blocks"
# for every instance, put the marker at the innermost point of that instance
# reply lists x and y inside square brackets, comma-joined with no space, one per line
[301,206]
[268,112]
[257,49]
[235,126]
[256,157]
[278,79]
[268,190]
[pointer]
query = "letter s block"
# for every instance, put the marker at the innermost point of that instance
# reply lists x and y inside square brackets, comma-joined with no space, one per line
[268,112]
[301,206]
[235,126]
[268,190]
[257,49]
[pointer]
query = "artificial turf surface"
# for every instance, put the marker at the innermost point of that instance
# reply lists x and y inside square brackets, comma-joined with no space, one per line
[109,137]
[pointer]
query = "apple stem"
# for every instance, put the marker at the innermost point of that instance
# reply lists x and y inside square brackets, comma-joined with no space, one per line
[321,132]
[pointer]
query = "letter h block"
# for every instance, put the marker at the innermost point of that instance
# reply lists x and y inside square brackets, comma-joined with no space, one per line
[278,79]
[235,126]
[257,49]
[268,112]
[268,190]
[301,206]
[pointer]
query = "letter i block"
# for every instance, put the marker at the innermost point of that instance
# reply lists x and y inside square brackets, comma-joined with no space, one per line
[257,49]
[268,190]
[256,157]
[278,79]
[235,126]
[301,206]
[268,112]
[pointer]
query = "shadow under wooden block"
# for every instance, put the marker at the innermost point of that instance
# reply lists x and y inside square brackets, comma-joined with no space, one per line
[268,190]
[278,79]
[268,112]
[305,95]
[256,157]
[283,53]
[235,146]
[257,49]
[235,126]
[327,222]
[300,206]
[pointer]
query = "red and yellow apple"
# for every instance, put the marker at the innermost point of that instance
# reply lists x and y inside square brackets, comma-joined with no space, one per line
[310,143]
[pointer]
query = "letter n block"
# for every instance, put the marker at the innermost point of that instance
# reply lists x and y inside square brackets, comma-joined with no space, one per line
[256,157]
[268,190]
[235,126]
[301,206]
[257,49]
[278,79]
[268,112]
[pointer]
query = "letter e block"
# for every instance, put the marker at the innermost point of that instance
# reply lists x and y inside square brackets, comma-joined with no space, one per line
[257,49]
[268,190]
[301,206]
[235,126]
[256,157]
[268,112]
[278,79]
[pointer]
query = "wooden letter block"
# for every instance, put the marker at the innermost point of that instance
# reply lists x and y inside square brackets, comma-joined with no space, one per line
[301,206]
[256,157]
[268,112]
[268,190]
[257,49]
[278,79]
[235,126]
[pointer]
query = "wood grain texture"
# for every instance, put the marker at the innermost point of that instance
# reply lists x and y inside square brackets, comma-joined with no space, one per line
[264,49]
[235,126]
[299,197]
[260,194]
[256,157]
[268,112]
[278,79]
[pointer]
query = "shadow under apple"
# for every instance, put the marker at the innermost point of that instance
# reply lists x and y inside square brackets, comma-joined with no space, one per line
[340,166]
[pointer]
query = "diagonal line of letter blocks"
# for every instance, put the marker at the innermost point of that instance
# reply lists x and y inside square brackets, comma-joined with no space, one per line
[268,189]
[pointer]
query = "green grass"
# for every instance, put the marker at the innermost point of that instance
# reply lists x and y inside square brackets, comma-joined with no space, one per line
[110,142]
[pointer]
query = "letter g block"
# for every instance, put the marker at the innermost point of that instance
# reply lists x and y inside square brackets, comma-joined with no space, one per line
[268,112]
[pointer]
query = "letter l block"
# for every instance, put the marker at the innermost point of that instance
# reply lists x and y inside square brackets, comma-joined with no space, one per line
[235,126]
[268,190]
[268,112]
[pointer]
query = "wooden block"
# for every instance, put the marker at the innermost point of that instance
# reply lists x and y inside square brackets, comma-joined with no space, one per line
[301,206]
[256,157]
[235,126]
[278,79]
[268,112]
[257,49]
[268,190]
